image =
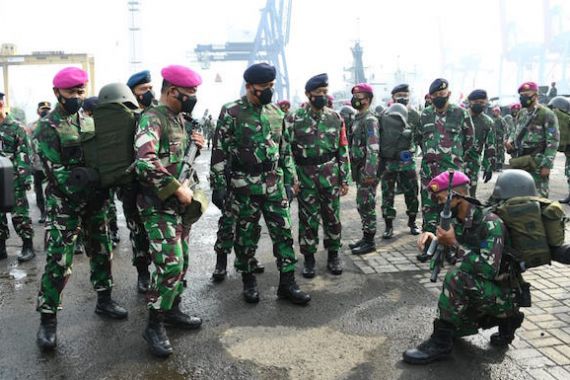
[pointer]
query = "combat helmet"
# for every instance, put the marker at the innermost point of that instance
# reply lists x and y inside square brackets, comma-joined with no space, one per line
[379,109]
[398,110]
[346,111]
[561,103]
[513,183]
[118,93]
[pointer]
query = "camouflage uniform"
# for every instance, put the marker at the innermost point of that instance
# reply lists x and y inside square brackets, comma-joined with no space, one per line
[501,130]
[160,145]
[447,142]
[510,122]
[540,141]
[14,144]
[320,149]
[564,127]
[251,139]
[485,147]
[470,290]
[58,144]
[364,157]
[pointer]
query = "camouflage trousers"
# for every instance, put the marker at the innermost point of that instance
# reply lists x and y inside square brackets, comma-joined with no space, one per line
[314,204]
[226,231]
[429,203]
[466,298]
[112,213]
[65,219]
[275,209]
[407,181]
[567,170]
[20,216]
[366,206]
[168,239]
[541,183]
[500,152]
[137,233]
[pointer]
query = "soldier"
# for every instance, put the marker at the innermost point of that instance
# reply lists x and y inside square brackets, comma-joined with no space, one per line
[209,129]
[478,292]
[553,92]
[485,145]
[511,119]
[364,157]
[398,163]
[501,129]
[58,145]
[446,137]
[347,114]
[39,177]
[251,140]
[285,106]
[141,86]
[14,144]
[160,144]
[561,107]
[534,142]
[320,150]
[330,101]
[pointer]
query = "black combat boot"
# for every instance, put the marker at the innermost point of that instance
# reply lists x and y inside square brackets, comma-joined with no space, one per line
[42,218]
[3,253]
[414,230]
[79,247]
[507,328]
[27,252]
[288,289]
[389,232]
[368,245]
[250,292]
[143,279]
[565,200]
[47,334]
[256,266]
[333,263]
[438,346]
[356,244]
[309,266]
[155,335]
[175,317]
[114,231]
[220,271]
[109,308]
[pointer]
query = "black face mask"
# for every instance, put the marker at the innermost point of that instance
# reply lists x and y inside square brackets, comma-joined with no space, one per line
[513,114]
[440,101]
[525,100]
[403,101]
[44,113]
[319,101]
[264,96]
[186,105]
[70,105]
[146,98]
[477,108]
[356,103]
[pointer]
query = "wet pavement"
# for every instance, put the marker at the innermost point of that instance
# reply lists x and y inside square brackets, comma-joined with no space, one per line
[356,326]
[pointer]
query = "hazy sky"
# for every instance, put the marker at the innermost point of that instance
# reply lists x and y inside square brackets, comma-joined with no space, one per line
[423,39]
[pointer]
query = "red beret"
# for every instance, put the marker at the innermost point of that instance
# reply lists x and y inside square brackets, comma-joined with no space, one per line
[284,103]
[441,182]
[528,86]
[516,106]
[363,87]
[70,77]
[181,76]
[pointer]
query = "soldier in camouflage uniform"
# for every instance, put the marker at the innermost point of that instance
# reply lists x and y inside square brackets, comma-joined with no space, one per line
[58,139]
[364,157]
[401,170]
[446,137]
[561,108]
[511,120]
[535,140]
[250,139]
[347,114]
[501,130]
[320,150]
[485,151]
[15,145]
[472,296]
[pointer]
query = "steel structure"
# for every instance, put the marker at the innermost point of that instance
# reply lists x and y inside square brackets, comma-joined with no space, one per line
[134,36]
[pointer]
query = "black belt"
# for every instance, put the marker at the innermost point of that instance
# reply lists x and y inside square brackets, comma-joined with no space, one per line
[255,169]
[304,161]
[532,151]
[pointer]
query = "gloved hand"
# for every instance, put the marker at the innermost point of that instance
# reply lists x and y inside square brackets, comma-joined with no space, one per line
[219,198]
[487,176]
[290,193]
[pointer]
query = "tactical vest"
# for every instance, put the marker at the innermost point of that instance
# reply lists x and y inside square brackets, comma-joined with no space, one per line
[564,125]
[395,137]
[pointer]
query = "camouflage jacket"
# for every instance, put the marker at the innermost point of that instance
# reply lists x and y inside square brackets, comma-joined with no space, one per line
[319,135]
[501,129]
[564,126]
[510,125]
[485,145]
[447,139]
[160,145]
[537,131]
[252,141]
[15,145]
[482,240]
[365,147]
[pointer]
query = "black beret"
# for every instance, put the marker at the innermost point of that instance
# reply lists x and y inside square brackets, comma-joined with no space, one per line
[477,94]
[90,103]
[438,85]
[44,104]
[321,80]
[259,73]
[401,88]
[138,78]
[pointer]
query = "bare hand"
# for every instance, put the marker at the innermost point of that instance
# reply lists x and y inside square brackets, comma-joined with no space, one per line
[184,194]
[508,146]
[368,181]
[296,188]
[423,238]
[198,139]
[343,189]
[544,172]
[446,238]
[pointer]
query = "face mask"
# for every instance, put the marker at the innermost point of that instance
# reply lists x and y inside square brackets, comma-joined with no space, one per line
[71,105]
[477,108]
[513,114]
[187,105]
[403,101]
[319,101]
[440,101]
[356,103]
[427,104]
[526,100]
[264,96]
[146,98]
[44,113]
